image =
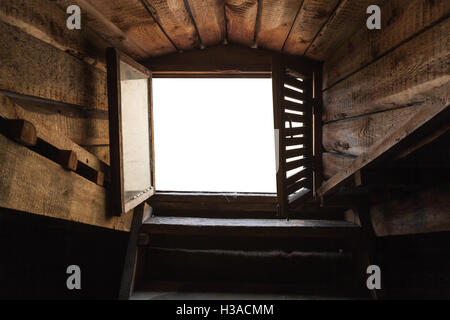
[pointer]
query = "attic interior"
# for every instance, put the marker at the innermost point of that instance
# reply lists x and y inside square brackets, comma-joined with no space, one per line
[362,180]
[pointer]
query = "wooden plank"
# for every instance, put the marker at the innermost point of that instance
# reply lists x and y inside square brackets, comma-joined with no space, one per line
[46,21]
[175,20]
[276,19]
[105,28]
[355,136]
[136,22]
[430,114]
[55,129]
[421,212]
[401,20]
[34,184]
[126,284]
[209,15]
[397,79]
[249,227]
[33,67]
[333,163]
[232,58]
[240,17]
[312,16]
[348,17]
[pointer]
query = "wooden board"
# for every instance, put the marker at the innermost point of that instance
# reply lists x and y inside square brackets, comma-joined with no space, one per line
[397,79]
[46,21]
[355,136]
[176,22]
[347,18]
[136,22]
[209,16]
[34,184]
[33,67]
[401,20]
[230,57]
[434,113]
[275,21]
[310,19]
[333,163]
[422,212]
[241,20]
[250,227]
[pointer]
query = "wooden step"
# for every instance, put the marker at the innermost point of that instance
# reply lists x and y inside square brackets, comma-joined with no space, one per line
[250,227]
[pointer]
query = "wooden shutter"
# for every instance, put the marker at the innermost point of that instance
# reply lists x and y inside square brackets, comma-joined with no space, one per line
[294,133]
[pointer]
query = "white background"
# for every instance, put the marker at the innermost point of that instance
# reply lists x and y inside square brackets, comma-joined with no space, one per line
[214,135]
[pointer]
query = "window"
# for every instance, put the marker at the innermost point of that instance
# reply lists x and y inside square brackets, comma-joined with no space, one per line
[214,135]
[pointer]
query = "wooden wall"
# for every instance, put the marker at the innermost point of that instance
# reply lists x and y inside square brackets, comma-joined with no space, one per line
[54,78]
[378,79]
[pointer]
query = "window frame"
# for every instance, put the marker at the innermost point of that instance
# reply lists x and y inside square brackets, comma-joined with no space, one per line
[115,194]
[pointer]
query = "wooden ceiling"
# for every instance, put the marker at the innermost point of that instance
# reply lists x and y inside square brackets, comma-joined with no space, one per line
[146,28]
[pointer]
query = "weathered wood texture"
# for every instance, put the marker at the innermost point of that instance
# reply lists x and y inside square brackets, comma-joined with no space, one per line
[209,16]
[240,17]
[421,212]
[56,125]
[401,20]
[275,21]
[397,79]
[135,21]
[348,16]
[34,184]
[250,227]
[310,19]
[434,112]
[33,67]
[334,162]
[46,21]
[355,136]
[174,18]
[54,129]
[229,57]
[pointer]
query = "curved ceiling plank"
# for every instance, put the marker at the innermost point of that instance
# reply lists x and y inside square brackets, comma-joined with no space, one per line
[275,20]
[135,21]
[209,16]
[309,21]
[175,20]
[241,20]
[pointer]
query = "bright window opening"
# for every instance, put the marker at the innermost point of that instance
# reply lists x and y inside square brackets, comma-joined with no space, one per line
[214,135]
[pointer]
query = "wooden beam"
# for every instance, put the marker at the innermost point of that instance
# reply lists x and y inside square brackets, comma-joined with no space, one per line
[209,17]
[432,112]
[202,201]
[231,58]
[250,227]
[50,129]
[126,286]
[421,212]
[34,184]
[366,46]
